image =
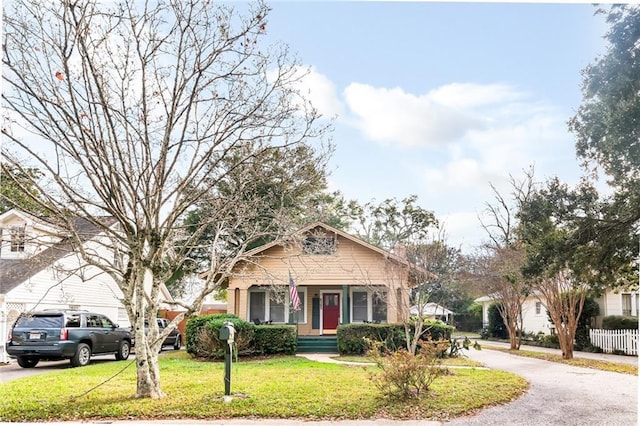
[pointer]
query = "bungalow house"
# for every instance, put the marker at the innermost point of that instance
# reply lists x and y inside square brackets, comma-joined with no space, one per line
[339,279]
[40,269]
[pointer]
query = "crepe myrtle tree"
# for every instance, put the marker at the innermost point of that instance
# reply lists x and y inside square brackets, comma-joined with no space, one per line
[497,268]
[135,110]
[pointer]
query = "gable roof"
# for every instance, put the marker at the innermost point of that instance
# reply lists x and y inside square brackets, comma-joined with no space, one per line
[336,231]
[279,242]
[14,272]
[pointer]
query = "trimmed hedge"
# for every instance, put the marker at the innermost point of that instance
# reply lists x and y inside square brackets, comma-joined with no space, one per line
[275,339]
[351,337]
[619,322]
[203,342]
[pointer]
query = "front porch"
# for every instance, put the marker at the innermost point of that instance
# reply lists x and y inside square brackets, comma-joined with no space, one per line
[322,308]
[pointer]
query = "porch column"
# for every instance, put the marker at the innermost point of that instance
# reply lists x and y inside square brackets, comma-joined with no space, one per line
[345,304]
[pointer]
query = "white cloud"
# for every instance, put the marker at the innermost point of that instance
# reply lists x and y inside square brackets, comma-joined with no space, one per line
[393,116]
[469,95]
[320,91]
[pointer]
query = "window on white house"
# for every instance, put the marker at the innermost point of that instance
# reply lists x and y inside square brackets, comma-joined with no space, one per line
[360,306]
[626,304]
[18,237]
[538,308]
[379,307]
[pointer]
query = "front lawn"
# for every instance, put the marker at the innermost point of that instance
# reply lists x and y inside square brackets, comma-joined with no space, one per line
[283,387]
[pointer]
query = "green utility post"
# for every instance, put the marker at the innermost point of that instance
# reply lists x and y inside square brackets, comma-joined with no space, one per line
[227,334]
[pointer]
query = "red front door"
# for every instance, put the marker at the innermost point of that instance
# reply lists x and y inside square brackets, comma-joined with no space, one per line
[330,311]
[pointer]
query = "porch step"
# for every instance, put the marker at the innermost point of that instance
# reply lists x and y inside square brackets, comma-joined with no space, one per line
[317,344]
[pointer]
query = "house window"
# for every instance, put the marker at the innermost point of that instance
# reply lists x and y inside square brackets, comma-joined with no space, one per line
[122,314]
[360,306]
[257,305]
[626,304]
[276,308]
[299,315]
[18,237]
[269,306]
[318,245]
[538,308]
[379,307]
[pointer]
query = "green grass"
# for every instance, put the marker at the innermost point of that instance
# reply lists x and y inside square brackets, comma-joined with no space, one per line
[576,362]
[283,387]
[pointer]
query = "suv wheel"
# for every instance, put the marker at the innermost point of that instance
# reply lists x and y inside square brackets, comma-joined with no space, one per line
[178,343]
[123,351]
[82,356]
[27,362]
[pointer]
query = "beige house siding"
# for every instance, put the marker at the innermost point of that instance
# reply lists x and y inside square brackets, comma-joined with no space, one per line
[351,266]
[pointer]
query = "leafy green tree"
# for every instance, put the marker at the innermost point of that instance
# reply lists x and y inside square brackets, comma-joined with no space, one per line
[394,222]
[606,125]
[607,128]
[17,188]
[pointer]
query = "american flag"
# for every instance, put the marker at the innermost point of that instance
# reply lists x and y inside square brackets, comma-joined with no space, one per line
[293,292]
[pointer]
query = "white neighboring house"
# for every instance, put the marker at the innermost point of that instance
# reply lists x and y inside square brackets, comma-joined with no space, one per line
[618,302]
[534,312]
[40,270]
[434,311]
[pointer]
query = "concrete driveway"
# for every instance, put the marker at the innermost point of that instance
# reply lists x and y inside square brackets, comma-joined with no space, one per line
[559,395]
[13,371]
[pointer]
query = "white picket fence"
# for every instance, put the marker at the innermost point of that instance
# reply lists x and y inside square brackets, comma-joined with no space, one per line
[610,340]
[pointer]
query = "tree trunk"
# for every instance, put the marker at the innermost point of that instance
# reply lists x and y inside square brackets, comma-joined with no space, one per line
[148,370]
[148,384]
[565,338]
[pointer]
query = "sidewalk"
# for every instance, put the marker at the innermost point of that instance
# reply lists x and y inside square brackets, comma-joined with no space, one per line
[621,359]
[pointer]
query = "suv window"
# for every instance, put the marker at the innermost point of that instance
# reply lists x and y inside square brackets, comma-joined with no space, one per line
[94,321]
[73,321]
[46,321]
[106,322]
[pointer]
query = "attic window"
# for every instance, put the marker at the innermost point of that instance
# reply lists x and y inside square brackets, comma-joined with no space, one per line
[318,245]
[18,237]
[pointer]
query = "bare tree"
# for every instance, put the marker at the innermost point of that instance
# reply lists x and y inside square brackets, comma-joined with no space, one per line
[433,264]
[136,110]
[499,268]
[564,299]
[499,273]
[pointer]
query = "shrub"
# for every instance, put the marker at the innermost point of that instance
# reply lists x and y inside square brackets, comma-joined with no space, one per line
[471,320]
[496,324]
[403,375]
[550,341]
[202,335]
[619,322]
[351,337]
[275,339]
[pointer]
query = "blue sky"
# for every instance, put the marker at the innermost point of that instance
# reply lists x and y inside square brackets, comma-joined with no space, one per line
[439,99]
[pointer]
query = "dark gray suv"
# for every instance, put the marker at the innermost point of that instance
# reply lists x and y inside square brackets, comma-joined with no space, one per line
[61,334]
